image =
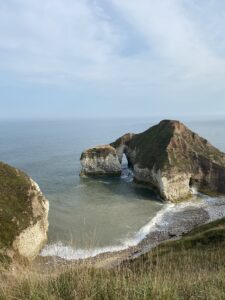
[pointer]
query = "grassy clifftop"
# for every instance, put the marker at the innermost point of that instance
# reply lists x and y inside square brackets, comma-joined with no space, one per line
[151,145]
[191,268]
[15,207]
[172,143]
[99,151]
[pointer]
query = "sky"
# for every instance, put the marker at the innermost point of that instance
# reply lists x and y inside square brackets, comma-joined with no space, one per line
[111,58]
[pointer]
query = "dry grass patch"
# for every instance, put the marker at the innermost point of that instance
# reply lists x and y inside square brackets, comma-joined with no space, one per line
[191,268]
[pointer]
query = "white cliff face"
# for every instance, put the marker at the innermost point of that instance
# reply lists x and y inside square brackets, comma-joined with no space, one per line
[101,160]
[168,157]
[31,240]
[176,187]
[23,215]
[106,160]
[170,185]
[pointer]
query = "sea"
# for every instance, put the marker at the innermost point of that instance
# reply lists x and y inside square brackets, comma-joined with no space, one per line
[88,216]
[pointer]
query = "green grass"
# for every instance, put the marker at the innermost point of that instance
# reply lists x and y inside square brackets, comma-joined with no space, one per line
[161,146]
[98,152]
[151,146]
[190,268]
[15,207]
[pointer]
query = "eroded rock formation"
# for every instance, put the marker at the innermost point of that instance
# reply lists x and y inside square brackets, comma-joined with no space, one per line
[23,215]
[101,160]
[170,158]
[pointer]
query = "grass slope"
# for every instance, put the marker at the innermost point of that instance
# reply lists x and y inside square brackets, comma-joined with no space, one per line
[151,145]
[191,268]
[15,207]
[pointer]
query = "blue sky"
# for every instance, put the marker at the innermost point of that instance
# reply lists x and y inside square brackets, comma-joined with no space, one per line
[105,58]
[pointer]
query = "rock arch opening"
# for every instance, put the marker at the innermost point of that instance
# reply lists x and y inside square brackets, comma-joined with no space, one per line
[194,184]
[124,162]
[126,166]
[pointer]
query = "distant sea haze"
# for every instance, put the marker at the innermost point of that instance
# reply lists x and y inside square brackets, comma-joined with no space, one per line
[86,214]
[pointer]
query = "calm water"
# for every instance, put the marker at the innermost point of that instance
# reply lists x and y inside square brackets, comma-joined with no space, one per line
[86,213]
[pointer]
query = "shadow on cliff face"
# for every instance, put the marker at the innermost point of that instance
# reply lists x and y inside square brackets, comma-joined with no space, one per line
[122,186]
[132,189]
[119,186]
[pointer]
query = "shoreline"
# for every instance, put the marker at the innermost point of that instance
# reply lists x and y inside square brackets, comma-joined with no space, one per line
[171,223]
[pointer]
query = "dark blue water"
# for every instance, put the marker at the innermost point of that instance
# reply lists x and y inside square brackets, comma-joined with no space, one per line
[86,213]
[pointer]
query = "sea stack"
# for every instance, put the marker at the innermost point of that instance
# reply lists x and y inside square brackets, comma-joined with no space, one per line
[170,159]
[100,160]
[23,216]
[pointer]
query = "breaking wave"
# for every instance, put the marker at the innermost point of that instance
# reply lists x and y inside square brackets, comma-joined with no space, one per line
[70,253]
[215,208]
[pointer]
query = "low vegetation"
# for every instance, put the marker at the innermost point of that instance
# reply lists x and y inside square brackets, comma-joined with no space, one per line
[15,207]
[190,268]
[152,150]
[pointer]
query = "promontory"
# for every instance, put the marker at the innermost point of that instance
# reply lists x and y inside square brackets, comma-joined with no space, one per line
[168,157]
[23,216]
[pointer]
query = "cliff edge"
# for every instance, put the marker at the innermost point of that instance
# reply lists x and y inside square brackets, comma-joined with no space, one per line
[23,215]
[171,159]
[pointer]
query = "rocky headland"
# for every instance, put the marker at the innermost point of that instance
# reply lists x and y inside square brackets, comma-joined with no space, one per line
[168,157]
[23,216]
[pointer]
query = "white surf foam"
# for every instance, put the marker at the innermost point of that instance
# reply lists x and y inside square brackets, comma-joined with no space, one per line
[214,206]
[69,253]
[194,190]
[104,182]
[79,186]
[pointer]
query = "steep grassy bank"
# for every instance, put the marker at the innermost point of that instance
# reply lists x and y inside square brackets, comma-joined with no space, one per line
[191,268]
[23,216]
[14,203]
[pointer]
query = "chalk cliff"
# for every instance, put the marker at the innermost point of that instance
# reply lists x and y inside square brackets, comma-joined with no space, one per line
[23,215]
[100,160]
[170,158]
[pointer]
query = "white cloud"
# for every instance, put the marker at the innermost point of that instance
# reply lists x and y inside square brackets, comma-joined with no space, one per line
[80,41]
[174,35]
[53,37]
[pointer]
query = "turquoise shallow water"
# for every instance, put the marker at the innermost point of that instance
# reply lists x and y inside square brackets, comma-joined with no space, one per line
[86,213]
